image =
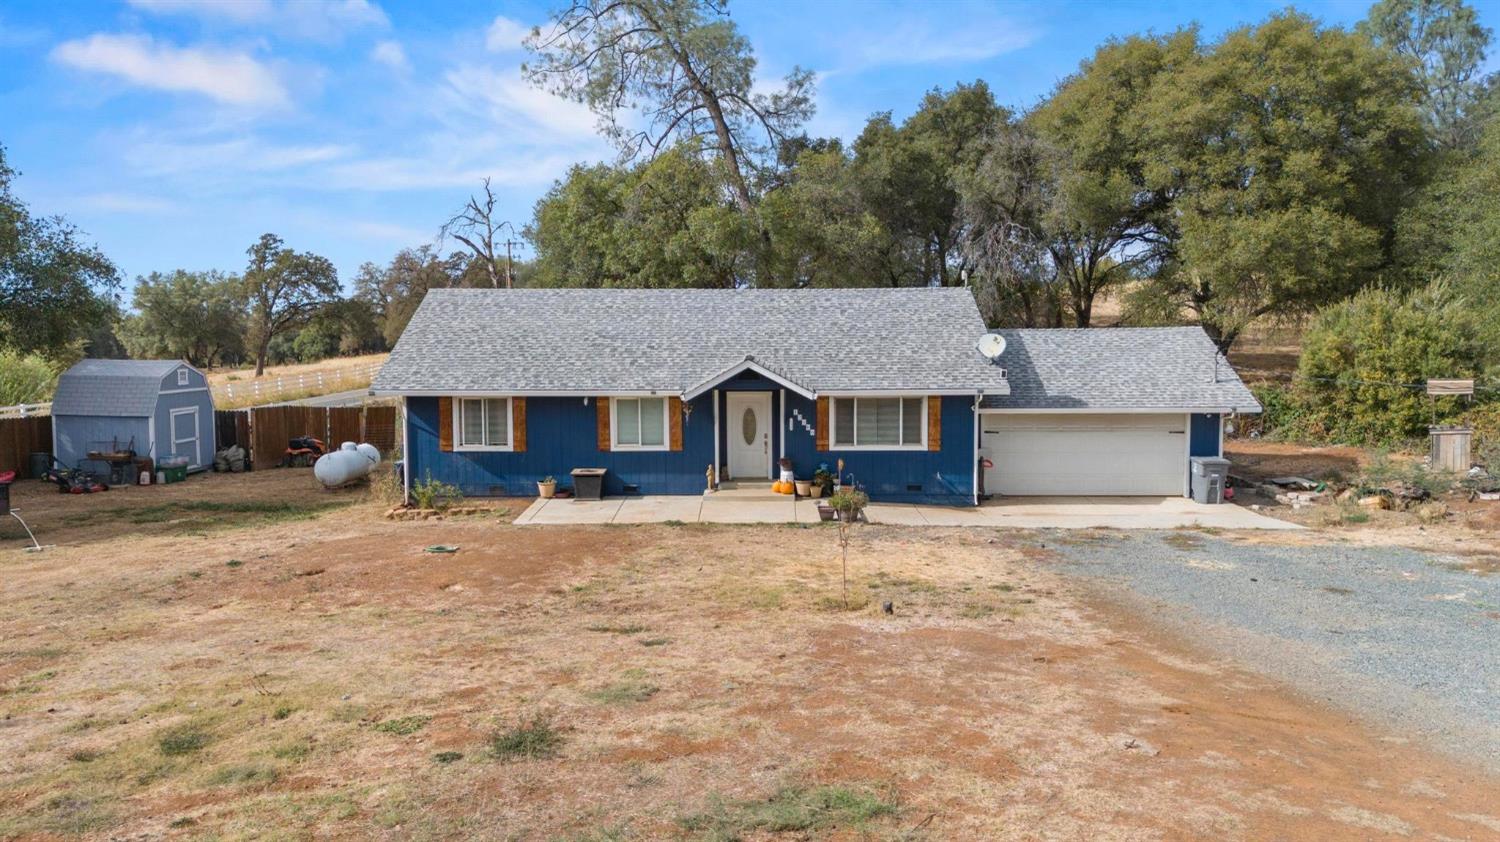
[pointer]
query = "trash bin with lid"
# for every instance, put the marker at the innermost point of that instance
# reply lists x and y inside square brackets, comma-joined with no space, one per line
[588,483]
[1209,476]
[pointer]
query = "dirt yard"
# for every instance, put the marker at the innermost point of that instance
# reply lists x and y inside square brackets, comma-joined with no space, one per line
[249,656]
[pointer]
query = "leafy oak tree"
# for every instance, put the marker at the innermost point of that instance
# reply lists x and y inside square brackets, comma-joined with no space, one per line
[56,290]
[284,289]
[1287,150]
[660,223]
[660,72]
[392,292]
[193,316]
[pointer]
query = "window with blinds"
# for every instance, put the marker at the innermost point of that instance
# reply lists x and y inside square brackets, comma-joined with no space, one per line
[484,423]
[879,422]
[640,423]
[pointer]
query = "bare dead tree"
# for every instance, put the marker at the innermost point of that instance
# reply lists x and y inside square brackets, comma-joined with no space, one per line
[683,68]
[476,227]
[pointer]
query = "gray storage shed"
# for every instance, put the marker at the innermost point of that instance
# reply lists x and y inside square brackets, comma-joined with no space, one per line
[159,408]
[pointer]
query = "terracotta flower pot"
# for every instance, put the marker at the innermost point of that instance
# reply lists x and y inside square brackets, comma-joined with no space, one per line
[804,488]
[546,490]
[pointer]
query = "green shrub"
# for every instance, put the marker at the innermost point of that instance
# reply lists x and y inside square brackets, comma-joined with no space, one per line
[1356,354]
[1282,412]
[25,379]
[430,493]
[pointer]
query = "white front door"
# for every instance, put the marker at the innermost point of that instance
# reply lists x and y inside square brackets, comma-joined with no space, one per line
[185,435]
[749,434]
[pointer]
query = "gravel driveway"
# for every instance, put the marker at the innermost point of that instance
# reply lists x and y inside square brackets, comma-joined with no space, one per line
[1405,638]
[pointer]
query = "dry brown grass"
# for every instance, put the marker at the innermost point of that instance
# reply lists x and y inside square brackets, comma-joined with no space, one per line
[218,675]
[220,376]
[237,388]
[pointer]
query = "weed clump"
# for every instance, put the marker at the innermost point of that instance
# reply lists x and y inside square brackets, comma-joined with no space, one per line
[181,740]
[534,739]
[404,726]
[795,809]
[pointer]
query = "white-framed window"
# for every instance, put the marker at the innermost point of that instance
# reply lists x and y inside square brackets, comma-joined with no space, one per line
[639,423]
[182,377]
[482,424]
[894,423]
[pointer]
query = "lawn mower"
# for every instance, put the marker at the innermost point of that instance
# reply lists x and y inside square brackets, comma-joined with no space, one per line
[302,451]
[73,480]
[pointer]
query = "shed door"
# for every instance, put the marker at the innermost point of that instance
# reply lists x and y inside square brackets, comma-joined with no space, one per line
[185,439]
[1069,454]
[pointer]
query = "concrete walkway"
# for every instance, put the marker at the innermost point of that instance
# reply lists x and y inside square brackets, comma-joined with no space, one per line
[1019,513]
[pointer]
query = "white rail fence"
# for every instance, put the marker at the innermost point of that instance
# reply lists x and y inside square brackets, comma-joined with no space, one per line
[25,410]
[258,391]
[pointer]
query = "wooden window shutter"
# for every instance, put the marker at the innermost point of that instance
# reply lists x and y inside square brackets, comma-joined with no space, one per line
[934,423]
[518,421]
[822,435]
[601,407]
[445,424]
[674,423]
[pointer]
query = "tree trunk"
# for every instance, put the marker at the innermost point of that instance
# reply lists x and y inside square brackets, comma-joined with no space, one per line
[261,352]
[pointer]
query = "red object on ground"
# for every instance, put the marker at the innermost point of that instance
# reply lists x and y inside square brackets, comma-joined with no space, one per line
[7,477]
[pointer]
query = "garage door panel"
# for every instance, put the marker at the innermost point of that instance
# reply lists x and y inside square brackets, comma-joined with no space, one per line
[1091,454]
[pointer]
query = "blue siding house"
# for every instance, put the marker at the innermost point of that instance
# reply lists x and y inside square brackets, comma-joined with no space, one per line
[677,391]
[158,408]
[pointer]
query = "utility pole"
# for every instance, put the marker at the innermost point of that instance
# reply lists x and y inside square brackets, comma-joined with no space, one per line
[509,276]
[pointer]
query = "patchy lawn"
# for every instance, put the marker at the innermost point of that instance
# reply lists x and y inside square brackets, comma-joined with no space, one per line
[246,671]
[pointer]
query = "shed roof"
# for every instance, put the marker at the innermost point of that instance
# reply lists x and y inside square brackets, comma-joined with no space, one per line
[673,340]
[1169,368]
[111,387]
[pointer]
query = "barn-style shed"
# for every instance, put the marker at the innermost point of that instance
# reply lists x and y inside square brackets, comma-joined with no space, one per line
[158,408]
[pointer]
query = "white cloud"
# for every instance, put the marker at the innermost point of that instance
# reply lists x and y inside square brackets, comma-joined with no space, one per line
[241,11]
[317,20]
[512,104]
[505,168]
[390,54]
[920,40]
[505,35]
[224,157]
[226,76]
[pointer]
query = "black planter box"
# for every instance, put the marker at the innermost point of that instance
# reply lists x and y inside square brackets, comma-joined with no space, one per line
[588,483]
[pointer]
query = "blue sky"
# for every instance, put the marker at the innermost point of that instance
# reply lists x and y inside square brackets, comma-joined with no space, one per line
[176,132]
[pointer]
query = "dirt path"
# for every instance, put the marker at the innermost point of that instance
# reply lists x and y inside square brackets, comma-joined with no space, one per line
[336,681]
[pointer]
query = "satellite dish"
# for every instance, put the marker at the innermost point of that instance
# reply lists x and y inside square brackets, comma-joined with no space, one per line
[990,346]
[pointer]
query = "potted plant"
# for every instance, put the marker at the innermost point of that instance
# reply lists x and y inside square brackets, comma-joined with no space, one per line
[804,487]
[547,487]
[822,482]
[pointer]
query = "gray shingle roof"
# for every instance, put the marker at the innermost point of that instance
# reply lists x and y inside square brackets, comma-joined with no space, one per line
[604,340]
[111,387]
[1119,368]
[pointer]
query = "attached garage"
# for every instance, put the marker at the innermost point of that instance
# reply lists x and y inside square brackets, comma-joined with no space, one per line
[1040,453]
[1106,411]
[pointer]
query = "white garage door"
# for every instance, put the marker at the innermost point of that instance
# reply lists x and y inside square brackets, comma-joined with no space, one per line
[1085,454]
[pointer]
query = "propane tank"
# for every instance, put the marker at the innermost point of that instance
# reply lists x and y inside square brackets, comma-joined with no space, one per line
[347,464]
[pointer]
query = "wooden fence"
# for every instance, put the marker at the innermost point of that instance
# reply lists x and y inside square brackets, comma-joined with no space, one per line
[20,437]
[263,432]
[268,429]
